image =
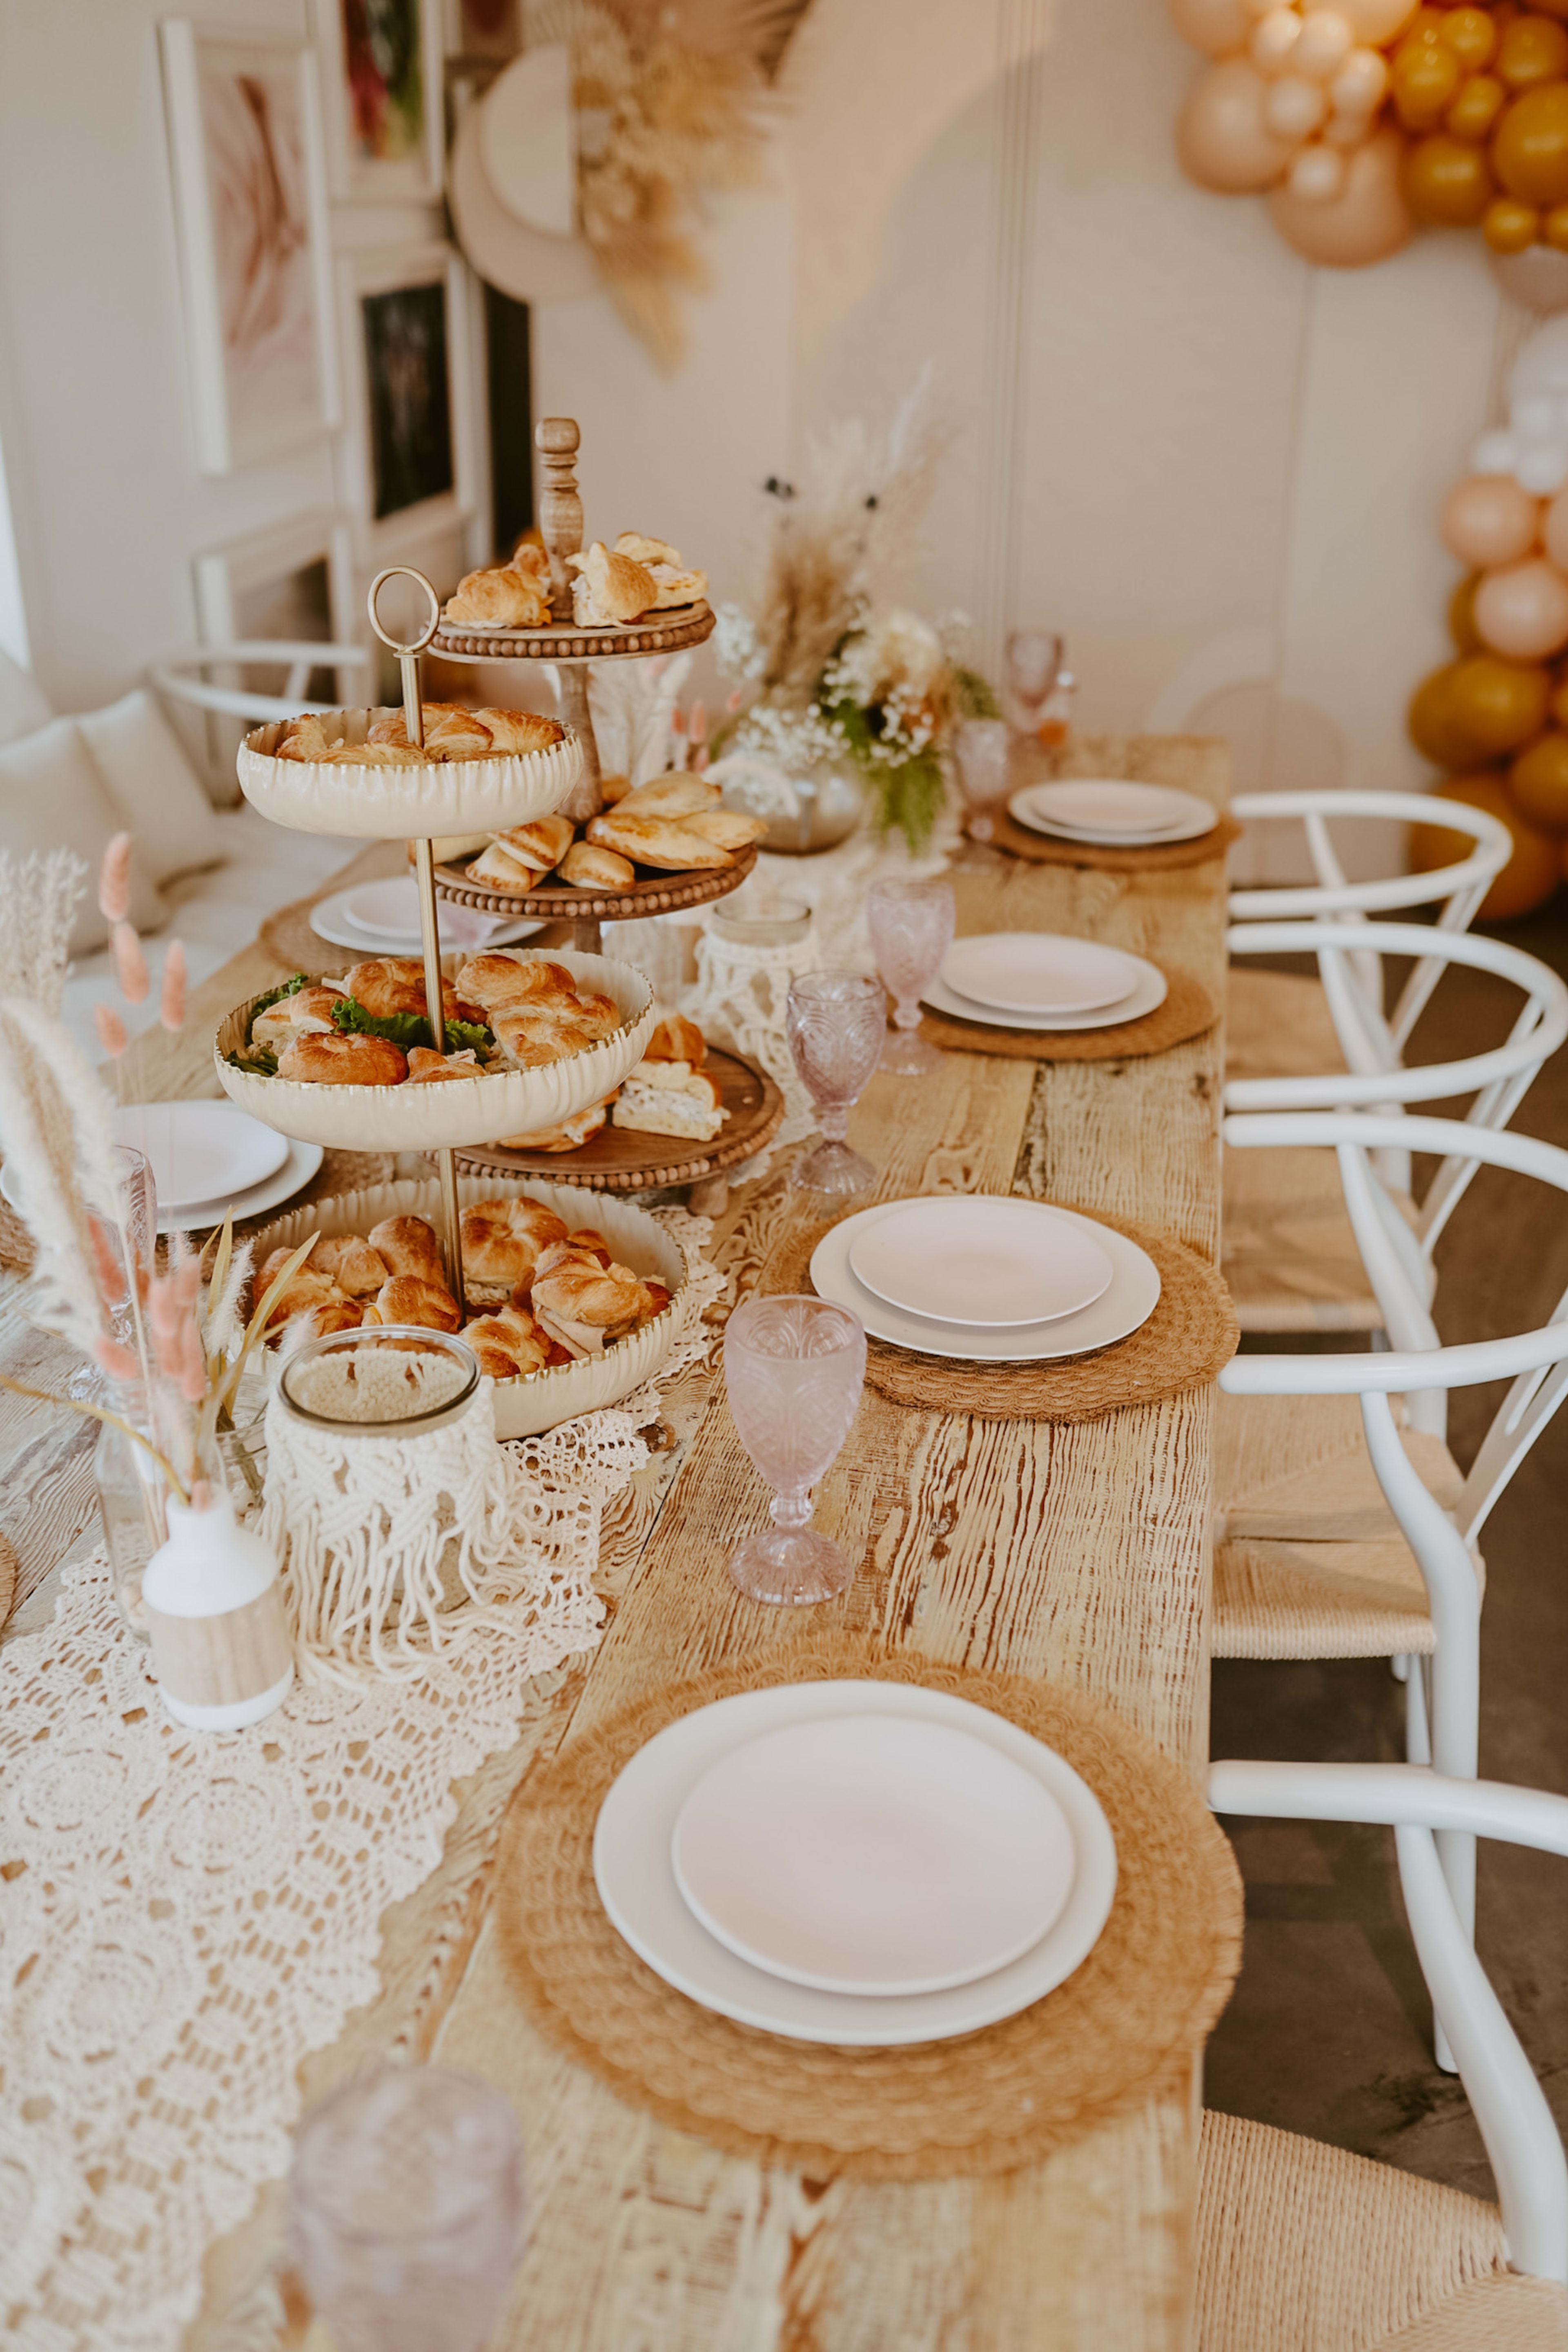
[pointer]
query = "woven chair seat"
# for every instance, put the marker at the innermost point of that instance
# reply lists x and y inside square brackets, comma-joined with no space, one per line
[1303,2248]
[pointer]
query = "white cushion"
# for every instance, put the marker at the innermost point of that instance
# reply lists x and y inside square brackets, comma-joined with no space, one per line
[24,705]
[51,796]
[153,784]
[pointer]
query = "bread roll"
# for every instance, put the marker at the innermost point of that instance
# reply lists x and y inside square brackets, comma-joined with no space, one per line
[596,869]
[408,1245]
[498,597]
[643,550]
[660,842]
[342,1060]
[508,1344]
[497,979]
[405,1298]
[678,795]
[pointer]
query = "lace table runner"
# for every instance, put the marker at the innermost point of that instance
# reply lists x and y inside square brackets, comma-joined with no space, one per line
[184,1915]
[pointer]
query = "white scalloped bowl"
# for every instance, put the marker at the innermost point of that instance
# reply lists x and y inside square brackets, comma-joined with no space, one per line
[444,796]
[534,1401]
[459,1111]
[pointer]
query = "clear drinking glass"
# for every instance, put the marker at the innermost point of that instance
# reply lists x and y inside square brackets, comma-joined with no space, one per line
[836,1022]
[981,748]
[1033,658]
[793,1369]
[406,2209]
[911,925]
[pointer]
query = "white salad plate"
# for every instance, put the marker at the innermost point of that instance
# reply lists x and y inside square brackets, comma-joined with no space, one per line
[302,1162]
[200,1152]
[1038,972]
[460,926]
[1148,992]
[873,1854]
[1112,812]
[634,1872]
[980,1258]
[1124,1305]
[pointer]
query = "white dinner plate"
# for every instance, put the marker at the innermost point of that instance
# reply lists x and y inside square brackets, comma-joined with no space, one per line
[1039,808]
[1039,973]
[873,1854]
[635,1875]
[460,926]
[200,1150]
[302,1162]
[1149,991]
[980,1258]
[1126,1304]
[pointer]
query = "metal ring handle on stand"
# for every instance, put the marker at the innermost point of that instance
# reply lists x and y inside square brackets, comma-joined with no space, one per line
[408,654]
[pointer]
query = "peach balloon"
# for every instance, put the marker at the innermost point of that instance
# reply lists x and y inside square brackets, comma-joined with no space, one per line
[1360,82]
[1367,221]
[1316,174]
[1522,610]
[1555,530]
[1325,43]
[1222,140]
[1294,107]
[1274,39]
[1531,874]
[1378,20]
[1218,28]
[1488,520]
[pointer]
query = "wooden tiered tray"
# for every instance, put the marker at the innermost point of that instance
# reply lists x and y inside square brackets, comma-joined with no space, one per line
[668,632]
[563,902]
[619,1160]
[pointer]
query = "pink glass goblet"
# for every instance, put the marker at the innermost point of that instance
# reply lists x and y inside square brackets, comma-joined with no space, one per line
[793,1369]
[911,925]
[1033,657]
[836,1022]
[981,748]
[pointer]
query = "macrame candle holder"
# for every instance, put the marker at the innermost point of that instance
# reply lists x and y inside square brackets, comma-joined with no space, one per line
[404,1526]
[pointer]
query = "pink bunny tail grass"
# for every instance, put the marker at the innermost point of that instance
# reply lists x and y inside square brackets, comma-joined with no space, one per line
[112,1034]
[701,756]
[733,703]
[129,963]
[677,722]
[193,1371]
[117,1361]
[114,880]
[697,725]
[108,1272]
[171,1001]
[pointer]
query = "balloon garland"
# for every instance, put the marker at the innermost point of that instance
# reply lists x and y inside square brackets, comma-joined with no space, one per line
[1364,119]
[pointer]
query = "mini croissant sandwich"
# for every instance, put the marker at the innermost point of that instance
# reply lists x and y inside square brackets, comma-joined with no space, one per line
[583,1304]
[609,587]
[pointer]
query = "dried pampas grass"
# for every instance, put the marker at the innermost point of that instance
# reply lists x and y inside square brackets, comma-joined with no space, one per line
[57,1139]
[38,899]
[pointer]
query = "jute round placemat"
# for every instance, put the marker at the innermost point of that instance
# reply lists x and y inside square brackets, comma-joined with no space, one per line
[1154,857]
[1120,2030]
[1188,1010]
[286,934]
[1187,1342]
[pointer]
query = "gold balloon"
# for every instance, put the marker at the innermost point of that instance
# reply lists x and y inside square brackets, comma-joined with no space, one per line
[1218,28]
[1533,50]
[1433,728]
[1221,139]
[1510,226]
[1496,705]
[1478,106]
[1461,617]
[1560,703]
[1426,83]
[1471,33]
[1447,183]
[1529,145]
[1555,228]
[1531,874]
[1538,781]
[1367,221]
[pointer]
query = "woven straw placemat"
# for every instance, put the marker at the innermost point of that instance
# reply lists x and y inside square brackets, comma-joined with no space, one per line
[1187,1342]
[286,934]
[1121,2031]
[1188,1010]
[10,1567]
[1154,857]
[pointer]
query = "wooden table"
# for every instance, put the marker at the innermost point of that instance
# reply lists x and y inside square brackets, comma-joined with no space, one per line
[1079,1553]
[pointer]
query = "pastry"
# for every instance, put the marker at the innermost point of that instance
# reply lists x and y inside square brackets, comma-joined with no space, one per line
[500,978]
[727,828]
[520,730]
[609,587]
[643,550]
[528,558]
[308,1009]
[677,1039]
[386,985]
[531,1037]
[670,1098]
[583,1304]
[678,795]
[309,1293]
[589,1239]
[342,1060]
[428,1069]
[508,1343]
[303,739]
[614,789]
[497,869]
[405,1299]
[591,868]
[580,1129]
[498,597]
[356,1268]
[502,1242]
[674,587]
[408,1245]
[372,755]
[540,844]
[663,842]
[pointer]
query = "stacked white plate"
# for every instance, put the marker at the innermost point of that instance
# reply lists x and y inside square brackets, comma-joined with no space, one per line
[208,1158]
[862,1864]
[1113,813]
[1039,980]
[985,1279]
[381,919]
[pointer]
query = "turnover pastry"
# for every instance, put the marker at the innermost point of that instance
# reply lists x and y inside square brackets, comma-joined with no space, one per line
[663,842]
[591,868]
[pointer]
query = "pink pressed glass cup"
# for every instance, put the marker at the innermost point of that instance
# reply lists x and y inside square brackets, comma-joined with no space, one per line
[1033,659]
[835,1021]
[981,748]
[794,1370]
[911,925]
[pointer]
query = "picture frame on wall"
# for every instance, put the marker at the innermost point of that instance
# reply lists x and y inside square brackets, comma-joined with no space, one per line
[409,448]
[382,66]
[249,185]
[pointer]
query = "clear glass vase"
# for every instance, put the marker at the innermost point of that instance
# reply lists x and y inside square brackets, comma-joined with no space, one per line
[808,812]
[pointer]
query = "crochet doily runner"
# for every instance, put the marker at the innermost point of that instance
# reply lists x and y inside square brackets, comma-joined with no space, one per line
[184,1915]
[1121,2028]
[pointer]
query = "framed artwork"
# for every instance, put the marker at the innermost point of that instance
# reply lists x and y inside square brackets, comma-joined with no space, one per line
[245,134]
[382,64]
[409,440]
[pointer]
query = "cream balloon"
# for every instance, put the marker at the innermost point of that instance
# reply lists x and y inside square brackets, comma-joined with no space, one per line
[1554,531]
[1367,221]
[1348,130]
[1360,82]
[1274,38]
[1316,174]
[1293,108]
[1487,520]
[1378,20]
[1222,140]
[1537,280]
[1325,44]
[1218,28]
[1522,610]
[1258,7]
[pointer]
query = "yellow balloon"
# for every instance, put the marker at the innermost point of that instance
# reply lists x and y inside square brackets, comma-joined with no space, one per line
[1471,35]
[1529,145]
[1497,705]
[1510,226]
[1538,781]
[1461,617]
[1367,221]
[1476,108]
[1447,183]
[1425,84]
[1221,139]
[1533,50]
[1531,874]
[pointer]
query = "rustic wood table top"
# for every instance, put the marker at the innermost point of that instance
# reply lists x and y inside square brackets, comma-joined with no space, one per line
[1080,1553]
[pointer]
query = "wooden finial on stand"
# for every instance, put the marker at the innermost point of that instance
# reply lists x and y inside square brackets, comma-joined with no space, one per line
[561,528]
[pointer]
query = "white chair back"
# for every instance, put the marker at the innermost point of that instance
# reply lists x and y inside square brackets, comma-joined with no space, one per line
[1516,2123]
[181,677]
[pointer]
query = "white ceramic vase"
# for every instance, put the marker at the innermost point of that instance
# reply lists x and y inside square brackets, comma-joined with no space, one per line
[214,1611]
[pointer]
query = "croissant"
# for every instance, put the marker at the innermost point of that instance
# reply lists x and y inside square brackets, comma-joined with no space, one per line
[372,755]
[303,739]
[498,597]
[316,1296]
[520,730]
[342,1060]
[390,984]
[674,587]
[307,1009]
[664,842]
[497,979]
[532,1039]
[609,587]
[408,1245]
[643,550]
[582,1303]
[529,558]
[428,1069]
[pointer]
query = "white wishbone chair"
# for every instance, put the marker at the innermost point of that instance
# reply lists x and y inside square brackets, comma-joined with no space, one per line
[181,677]
[1304,2248]
[1284,1233]
[1389,1567]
